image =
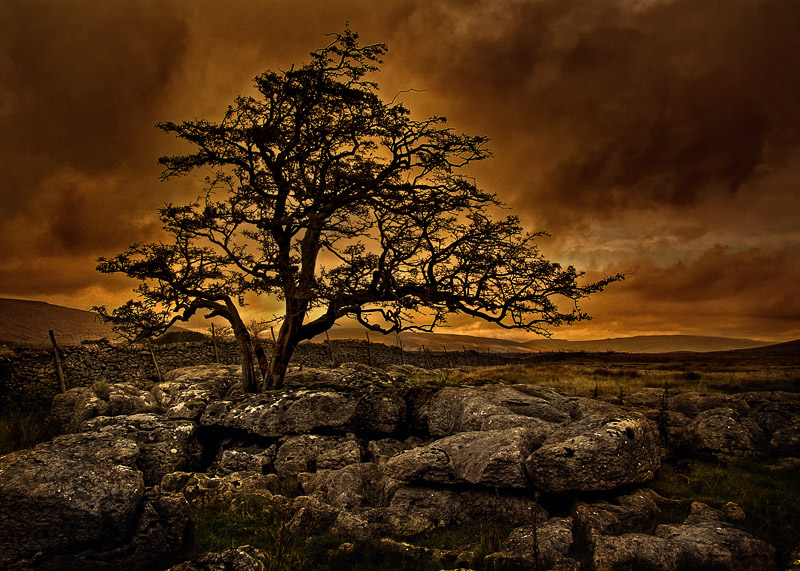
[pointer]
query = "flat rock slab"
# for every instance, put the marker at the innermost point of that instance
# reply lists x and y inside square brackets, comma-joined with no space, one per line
[467,409]
[601,451]
[299,412]
[493,458]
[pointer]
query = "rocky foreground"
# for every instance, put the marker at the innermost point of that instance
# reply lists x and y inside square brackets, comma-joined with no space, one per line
[380,459]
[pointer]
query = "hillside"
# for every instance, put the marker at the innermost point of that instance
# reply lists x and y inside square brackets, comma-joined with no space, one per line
[636,344]
[649,344]
[24,322]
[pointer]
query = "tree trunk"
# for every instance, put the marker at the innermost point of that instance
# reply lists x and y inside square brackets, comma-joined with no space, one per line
[288,338]
[249,379]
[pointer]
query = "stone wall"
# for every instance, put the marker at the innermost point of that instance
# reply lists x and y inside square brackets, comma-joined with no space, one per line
[29,375]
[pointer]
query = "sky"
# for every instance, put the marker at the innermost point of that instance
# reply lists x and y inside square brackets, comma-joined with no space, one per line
[659,138]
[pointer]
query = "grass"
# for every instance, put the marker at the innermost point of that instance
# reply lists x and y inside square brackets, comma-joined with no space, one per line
[770,498]
[22,428]
[101,389]
[254,521]
[590,380]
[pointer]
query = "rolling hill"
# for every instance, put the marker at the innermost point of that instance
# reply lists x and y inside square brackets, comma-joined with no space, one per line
[25,322]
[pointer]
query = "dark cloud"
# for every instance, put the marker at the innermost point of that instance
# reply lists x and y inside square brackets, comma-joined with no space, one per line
[659,136]
[723,291]
[621,104]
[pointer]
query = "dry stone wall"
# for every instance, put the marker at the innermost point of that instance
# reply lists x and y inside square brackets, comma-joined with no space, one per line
[29,375]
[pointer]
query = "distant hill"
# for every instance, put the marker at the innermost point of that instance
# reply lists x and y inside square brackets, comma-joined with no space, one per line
[24,322]
[636,344]
[649,344]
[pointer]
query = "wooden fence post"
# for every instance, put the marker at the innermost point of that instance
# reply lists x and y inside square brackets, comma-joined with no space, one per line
[330,348]
[369,350]
[59,369]
[214,342]
[155,363]
[402,352]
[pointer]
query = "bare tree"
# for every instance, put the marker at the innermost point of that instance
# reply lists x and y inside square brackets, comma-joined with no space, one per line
[342,204]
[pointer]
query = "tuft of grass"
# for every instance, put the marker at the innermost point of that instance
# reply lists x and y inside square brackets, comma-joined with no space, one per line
[101,389]
[770,498]
[23,428]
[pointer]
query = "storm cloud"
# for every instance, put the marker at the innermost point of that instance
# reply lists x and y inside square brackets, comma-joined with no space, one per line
[655,137]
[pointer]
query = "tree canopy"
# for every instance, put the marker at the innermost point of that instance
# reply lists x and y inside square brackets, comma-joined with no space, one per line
[339,204]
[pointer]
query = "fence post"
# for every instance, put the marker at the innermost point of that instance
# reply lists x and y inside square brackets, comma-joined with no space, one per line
[214,342]
[369,350]
[330,349]
[466,356]
[59,369]
[402,352]
[155,363]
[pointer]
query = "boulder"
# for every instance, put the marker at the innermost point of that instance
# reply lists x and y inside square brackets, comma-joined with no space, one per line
[627,513]
[383,449]
[601,451]
[539,546]
[311,452]
[201,489]
[692,403]
[706,540]
[724,434]
[785,441]
[346,375]
[165,445]
[185,392]
[350,487]
[492,458]
[273,415]
[467,409]
[253,460]
[76,502]
[414,510]
[244,558]
[79,404]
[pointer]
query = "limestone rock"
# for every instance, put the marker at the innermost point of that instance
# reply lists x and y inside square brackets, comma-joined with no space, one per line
[382,450]
[346,375]
[185,392]
[165,445]
[786,440]
[350,487]
[414,510]
[724,434]
[274,415]
[627,513]
[491,458]
[311,452]
[466,409]
[201,489]
[76,503]
[244,558]
[77,405]
[535,546]
[598,452]
[236,460]
[704,541]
